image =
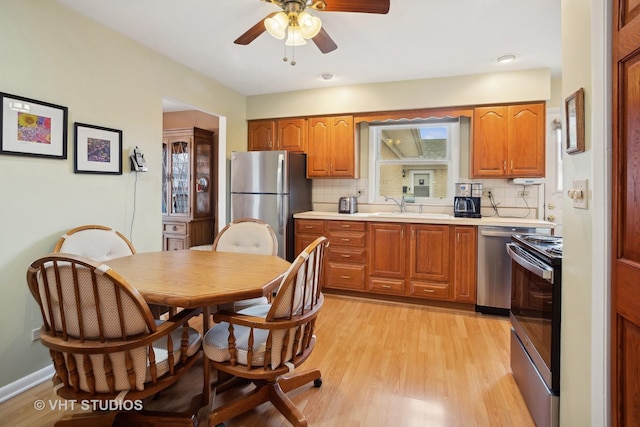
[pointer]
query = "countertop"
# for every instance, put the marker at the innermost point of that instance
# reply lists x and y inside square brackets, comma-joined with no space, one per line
[426,218]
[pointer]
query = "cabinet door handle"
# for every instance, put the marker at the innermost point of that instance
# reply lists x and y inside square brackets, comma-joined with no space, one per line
[504,165]
[430,290]
[174,228]
[346,226]
[345,240]
[345,277]
[458,237]
[308,227]
[345,256]
[386,286]
[511,165]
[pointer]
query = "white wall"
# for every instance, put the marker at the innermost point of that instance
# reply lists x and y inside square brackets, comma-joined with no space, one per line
[516,86]
[584,385]
[51,54]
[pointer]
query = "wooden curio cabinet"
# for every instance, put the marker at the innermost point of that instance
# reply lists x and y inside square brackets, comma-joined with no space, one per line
[188,190]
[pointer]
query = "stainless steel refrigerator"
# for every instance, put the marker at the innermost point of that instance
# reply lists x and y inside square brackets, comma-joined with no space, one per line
[271,186]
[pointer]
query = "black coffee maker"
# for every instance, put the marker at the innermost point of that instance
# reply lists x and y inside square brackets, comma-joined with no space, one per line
[466,202]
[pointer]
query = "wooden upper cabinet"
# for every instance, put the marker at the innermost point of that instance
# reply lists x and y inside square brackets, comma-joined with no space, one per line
[509,141]
[262,135]
[331,147]
[278,134]
[292,135]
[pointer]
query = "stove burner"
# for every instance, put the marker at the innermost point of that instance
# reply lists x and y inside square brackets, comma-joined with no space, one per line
[538,238]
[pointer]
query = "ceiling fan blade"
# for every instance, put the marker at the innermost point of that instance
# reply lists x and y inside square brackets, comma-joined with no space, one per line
[324,42]
[253,32]
[362,6]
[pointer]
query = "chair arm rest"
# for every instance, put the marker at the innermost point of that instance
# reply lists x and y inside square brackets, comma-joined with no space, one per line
[262,323]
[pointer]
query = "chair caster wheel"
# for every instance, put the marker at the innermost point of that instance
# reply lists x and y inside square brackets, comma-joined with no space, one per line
[317,383]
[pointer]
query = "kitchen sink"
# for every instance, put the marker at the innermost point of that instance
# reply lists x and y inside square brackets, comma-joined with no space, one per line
[415,215]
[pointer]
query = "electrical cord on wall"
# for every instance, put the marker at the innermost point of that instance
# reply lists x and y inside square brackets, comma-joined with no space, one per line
[495,205]
[133,215]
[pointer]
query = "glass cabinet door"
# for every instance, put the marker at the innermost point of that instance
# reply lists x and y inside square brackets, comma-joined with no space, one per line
[202,182]
[176,158]
[180,157]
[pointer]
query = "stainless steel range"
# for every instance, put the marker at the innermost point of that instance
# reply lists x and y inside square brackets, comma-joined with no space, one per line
[536,276]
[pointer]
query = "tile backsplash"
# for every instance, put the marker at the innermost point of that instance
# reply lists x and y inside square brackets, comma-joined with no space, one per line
[507,197]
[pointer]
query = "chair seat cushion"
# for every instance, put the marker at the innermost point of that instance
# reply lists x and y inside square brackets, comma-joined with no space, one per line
[140,362]
[216,344]
[162,355]
[246,303]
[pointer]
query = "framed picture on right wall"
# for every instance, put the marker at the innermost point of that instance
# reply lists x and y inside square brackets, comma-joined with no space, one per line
[574,112]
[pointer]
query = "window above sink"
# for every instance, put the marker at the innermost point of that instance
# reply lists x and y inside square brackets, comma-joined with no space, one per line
[418,159]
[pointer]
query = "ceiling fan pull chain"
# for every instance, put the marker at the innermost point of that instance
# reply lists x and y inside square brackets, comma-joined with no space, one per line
[284,58]
[293,55]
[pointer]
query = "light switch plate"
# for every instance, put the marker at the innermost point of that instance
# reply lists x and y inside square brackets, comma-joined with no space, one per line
[581,194]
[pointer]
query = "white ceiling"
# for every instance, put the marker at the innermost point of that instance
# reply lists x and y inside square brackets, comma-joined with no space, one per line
[417,39]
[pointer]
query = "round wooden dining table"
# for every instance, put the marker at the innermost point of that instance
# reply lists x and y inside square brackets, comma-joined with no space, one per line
[200,279]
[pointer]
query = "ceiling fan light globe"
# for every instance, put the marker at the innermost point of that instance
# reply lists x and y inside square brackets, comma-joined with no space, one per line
[294,37]
[277,26]
[309,25]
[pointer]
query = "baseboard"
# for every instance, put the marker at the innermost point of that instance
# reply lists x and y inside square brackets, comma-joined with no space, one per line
[25,383]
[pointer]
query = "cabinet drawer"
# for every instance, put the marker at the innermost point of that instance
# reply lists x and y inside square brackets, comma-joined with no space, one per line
[386,286]
[430,290]
[175,228]
[345,225]
[345,276]
[337,238]
[346,255]
[310,226]
[175,243]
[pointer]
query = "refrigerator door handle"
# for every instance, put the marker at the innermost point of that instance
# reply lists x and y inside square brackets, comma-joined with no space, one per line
[280,207]
[280,175]
[280,189]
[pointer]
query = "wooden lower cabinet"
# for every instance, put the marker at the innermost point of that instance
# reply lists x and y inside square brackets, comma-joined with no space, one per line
[465,270]
[426,261]
[177,235]
[346,259]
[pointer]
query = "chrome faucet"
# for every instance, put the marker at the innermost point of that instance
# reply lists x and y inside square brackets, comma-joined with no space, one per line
[402,203]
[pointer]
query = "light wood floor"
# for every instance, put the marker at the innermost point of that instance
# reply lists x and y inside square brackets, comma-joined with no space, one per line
[382,364]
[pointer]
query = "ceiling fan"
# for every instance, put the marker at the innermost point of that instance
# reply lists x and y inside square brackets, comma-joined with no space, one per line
[297,25]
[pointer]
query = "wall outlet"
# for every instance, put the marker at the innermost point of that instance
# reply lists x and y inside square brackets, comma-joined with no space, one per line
[523,194]
[486,193]
[35,334]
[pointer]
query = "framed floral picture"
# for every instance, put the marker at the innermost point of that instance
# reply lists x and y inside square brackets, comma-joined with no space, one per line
[97,149]
[32,128]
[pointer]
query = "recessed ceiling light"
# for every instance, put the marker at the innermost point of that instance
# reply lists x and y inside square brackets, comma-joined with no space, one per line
[327,76]
[504,59]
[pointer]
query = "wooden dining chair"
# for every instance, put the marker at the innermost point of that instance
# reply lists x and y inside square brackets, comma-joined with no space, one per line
[247,235]
[104,342]
[100,243]
[264,343]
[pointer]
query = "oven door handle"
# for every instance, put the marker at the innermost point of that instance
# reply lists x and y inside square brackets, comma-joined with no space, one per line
[539,270]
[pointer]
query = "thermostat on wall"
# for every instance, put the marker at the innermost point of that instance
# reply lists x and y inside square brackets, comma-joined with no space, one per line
[528,181]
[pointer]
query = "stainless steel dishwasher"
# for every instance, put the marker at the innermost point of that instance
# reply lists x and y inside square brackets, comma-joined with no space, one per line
[494,268]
